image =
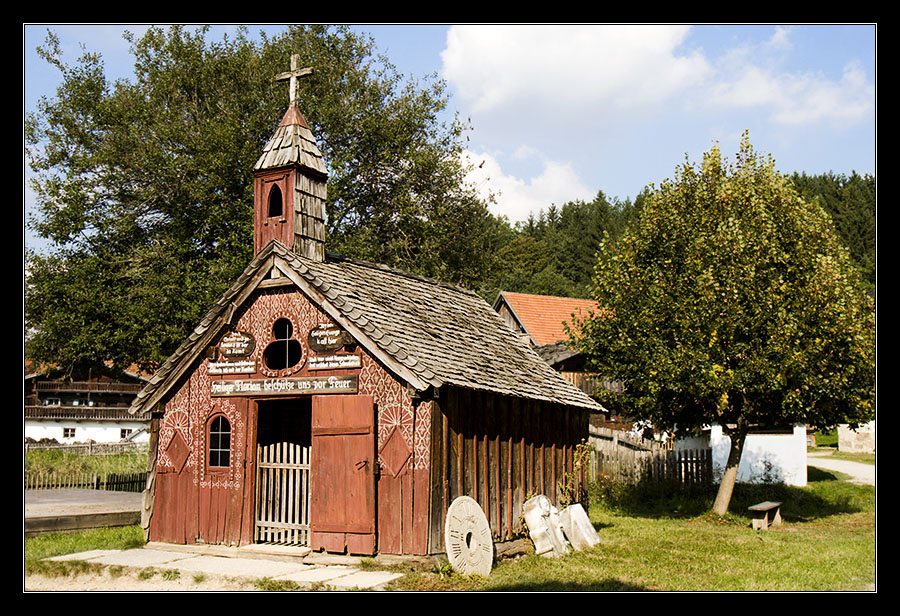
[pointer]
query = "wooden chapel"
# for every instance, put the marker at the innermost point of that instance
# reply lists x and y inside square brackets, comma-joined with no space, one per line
[339,405]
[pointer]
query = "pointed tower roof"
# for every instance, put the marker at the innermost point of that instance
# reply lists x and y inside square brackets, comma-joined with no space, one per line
[290,182]
[292,144]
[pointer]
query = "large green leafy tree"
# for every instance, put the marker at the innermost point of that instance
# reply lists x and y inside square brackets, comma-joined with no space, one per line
[144,186]
[731,301]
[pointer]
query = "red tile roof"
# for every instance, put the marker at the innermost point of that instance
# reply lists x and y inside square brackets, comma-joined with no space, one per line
[542,316]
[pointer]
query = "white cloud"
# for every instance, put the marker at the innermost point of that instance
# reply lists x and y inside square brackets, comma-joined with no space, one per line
[547,81]
[802,99]
[751,77]
[547,95]
[608,68]
[492,66]
[780,38]
[516,198]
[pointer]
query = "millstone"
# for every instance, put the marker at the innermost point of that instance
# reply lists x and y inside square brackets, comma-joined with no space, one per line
[467,537]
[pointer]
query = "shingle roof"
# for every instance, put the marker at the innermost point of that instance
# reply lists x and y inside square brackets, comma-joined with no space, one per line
[430,333]
[292,143]
[555,352]
[542,316]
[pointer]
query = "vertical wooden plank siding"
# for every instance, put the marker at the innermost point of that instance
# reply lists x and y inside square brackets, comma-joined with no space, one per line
[460,450]
[500,450]
[343,458]
[438,494]
[250,478]
[485,471]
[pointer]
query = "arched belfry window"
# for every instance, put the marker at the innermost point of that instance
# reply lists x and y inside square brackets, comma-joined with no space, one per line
[276,205]
[285,351]
[219,442]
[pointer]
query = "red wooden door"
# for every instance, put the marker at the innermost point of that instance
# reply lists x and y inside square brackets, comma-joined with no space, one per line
[342,512]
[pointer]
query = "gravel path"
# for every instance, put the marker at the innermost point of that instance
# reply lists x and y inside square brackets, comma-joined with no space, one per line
[860,473]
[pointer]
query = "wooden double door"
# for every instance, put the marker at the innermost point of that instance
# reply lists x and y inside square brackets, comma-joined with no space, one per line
[316,473]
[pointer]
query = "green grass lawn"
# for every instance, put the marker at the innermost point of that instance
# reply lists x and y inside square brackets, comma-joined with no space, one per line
[44,546]
[863,458]
[665,540]
[60,461]
[654,539]
[827,439]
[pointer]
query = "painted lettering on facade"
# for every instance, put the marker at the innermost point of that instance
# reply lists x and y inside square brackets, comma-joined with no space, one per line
[327,337]
[237,344]
[232,367]
[285,386]
[335,362]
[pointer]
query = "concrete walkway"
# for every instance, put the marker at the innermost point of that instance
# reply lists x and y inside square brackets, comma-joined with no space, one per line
[73,509]
[859,472]
[253,567]
[76,509]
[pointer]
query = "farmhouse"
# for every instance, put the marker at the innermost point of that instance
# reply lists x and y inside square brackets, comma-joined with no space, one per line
[769,456]
[342,405]
[92,407]
[541,321]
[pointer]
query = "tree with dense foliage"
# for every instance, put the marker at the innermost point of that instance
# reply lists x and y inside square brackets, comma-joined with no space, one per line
[731,301]
[144,186]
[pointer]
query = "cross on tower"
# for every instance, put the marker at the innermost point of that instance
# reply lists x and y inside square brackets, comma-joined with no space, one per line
[293,75]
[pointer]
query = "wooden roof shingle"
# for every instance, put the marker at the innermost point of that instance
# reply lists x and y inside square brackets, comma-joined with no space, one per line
[427,332]
[292,144]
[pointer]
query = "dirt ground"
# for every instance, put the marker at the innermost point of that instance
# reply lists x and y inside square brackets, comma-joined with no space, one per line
[129,582]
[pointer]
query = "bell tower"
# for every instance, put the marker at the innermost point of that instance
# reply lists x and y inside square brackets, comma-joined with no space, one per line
[289,183]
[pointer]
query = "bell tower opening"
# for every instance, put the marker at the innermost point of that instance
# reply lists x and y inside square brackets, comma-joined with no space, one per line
[276,205]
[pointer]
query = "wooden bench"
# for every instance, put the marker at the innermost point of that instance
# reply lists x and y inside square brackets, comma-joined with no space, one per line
[766,514]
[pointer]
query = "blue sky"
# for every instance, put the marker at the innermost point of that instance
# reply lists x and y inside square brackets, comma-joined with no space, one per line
[560,112]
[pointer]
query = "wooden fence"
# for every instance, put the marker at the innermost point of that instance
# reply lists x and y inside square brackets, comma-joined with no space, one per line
[631,460]
[629,466]
[118,482]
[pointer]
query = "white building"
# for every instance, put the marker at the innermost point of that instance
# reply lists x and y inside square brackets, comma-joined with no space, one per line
[861,440]
[78,411]
[79,428]
[775,456]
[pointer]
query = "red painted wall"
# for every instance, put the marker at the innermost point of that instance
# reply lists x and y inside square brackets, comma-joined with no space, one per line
[196,503]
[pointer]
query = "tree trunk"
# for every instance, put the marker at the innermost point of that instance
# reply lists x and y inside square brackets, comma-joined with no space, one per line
[726,487]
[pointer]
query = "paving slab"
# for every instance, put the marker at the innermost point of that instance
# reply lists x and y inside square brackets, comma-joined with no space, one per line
[364,579]
[337,576]
[89,555]
[239,567]
[319,574]
[137,557]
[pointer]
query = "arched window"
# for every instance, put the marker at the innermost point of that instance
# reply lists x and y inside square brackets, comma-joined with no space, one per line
[275,202]
[219,442]
[284,352]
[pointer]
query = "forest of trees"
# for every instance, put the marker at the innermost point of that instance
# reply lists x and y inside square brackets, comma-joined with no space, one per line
[554,251]
[144,190]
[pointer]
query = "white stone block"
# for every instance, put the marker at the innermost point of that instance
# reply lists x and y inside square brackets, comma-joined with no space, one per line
[578,528]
